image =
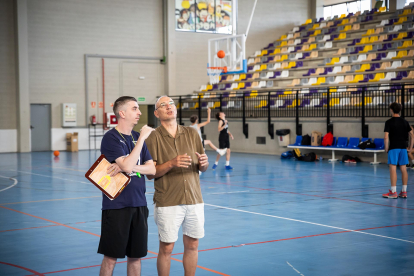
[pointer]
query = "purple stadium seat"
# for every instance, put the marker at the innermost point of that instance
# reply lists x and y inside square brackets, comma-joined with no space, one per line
[304,103]
[305,55]
[355,41]
[357,50]
[223,104]
[385,47]
[247,85]
[380,56]
[310,71]
[225,94]
[367,18]
[367,78]
[298,64]
[390,37]
[223,78]
[215,86]
[400,75]
[269,46]
[324,101]
[327,70]
[374,66]
[286,103]
[333,37]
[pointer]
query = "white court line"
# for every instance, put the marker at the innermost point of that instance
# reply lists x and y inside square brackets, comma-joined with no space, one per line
[308,222]
[294,268]
[73,180]
[228,193]
[11,186]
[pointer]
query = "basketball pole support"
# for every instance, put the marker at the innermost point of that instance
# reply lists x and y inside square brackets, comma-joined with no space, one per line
[251,18]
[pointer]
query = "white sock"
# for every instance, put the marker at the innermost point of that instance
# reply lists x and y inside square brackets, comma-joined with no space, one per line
[394,189]
[216,163]
[404,188]
[227,163]
[218,150]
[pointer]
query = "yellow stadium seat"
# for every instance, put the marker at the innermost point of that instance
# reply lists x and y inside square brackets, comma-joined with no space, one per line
[382,9]
[241,85]
[364,67]
[343,15]
[292,64]
[401,36]
[344,21]
[400,54]
[315,33]
[378,77]
[367,48]
[405,12]
[253,94]
[216,105]
[309,21]
[373,39]
[284,57]
[334,101]
[282,37]
[209,87]
[284,43]
[347,28]
[401,20]
[364,40]
[368,100]
[406,44]
[311,47]
[287,92]
[195,106]
[369,32]
[264,52]
[333,61]
[341,36]
[357,78]
[242,76]
[263,67]
[262,104]
[276,51]
[319,81]
[315,26]
[294,103]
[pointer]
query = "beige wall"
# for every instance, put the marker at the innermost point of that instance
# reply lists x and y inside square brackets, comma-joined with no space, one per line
[7,66]
[271,20]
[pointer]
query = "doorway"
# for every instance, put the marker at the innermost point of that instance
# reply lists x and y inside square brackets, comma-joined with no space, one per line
[40,125]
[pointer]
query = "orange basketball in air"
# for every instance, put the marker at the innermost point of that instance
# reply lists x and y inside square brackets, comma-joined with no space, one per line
[56,153]
[221,54]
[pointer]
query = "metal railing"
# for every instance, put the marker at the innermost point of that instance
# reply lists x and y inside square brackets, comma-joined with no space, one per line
[355,102]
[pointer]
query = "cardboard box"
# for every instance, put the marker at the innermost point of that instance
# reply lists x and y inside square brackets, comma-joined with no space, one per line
[316,138]
[72,141]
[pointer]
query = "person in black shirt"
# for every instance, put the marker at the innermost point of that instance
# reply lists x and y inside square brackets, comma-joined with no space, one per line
[411,155]
[224,141]
[397,131]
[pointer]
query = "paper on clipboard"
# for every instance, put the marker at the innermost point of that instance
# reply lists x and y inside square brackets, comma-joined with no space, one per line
[110,186]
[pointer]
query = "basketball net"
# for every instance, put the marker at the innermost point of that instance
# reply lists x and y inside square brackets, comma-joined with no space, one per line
[214,73]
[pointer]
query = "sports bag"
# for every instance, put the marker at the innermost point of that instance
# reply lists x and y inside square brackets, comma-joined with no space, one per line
[327,140]
[368,144]
[306,140]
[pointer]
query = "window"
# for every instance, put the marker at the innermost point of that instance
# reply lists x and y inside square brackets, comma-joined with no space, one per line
[208,16]
[345,8]
[408,2]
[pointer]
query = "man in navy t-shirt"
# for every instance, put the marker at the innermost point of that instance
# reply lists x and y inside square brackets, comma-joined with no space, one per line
[124,229]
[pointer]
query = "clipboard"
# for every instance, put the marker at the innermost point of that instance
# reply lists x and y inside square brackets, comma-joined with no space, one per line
[110,186]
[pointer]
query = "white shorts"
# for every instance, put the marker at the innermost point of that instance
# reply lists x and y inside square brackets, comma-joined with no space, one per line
[169,219]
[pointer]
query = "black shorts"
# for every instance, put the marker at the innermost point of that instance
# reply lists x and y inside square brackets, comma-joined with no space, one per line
[124,232]
[224,142]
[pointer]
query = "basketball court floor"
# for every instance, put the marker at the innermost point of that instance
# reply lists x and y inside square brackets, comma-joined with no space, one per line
[267,217]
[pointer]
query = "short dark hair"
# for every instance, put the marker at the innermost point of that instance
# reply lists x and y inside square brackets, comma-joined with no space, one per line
[395,107]
[120,102]
[193,119]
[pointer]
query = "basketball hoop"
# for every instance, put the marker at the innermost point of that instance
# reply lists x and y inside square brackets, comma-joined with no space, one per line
[214,73]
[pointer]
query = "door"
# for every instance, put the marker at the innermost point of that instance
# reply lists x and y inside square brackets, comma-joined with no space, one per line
[40,126]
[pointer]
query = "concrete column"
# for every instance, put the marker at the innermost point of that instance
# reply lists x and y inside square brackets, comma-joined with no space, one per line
[169,16]
[23,100]
[316,9]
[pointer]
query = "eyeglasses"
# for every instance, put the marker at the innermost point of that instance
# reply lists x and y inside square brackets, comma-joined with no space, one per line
[164,105]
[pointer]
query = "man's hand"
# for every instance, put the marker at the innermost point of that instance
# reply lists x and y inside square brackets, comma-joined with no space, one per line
[145,132]
[202,159]
[208,111]
[113,170]
[181,161]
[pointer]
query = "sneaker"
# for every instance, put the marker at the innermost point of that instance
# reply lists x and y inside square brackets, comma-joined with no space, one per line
[390,194]
[214,166]
[222,151]
[229,167]
[352,161]
[403,194]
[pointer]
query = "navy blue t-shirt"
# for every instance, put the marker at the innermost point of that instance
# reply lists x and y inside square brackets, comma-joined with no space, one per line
[114,146]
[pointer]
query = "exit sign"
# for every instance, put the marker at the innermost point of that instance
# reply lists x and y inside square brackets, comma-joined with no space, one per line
[141,99]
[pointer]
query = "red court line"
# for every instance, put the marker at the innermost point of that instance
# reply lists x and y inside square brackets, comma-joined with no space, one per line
[24,268]
[77,229]
[327,197]
[252,243]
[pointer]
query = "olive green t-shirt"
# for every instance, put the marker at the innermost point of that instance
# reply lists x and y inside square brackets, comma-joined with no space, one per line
[179,185]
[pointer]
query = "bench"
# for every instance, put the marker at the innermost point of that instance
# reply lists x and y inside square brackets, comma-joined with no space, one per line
[342,144]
